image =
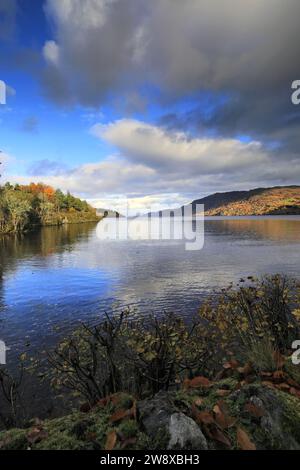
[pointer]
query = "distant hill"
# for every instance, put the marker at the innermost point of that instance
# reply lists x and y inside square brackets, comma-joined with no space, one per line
[280,200]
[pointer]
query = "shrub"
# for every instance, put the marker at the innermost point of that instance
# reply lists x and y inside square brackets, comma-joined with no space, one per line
[144,355]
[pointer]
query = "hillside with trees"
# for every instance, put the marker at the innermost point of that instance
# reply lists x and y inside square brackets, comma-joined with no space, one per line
[23,207]
[261,201]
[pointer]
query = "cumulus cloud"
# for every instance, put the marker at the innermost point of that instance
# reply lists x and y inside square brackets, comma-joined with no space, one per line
[175,151]
[181,46]
[245,50]
[92,179]
[96,40]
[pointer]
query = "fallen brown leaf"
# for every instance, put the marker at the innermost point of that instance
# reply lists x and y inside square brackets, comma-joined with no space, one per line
[218,436]
[283,386]
[222,419]
[279,359]
[295,392]
[119,415]
[267,383]
[266,374]
[115,398]
[222,392]
[111,440]
[293,383]
[217,409]
[204,417]
[278,375]
[199,382]
[244,440]
[233,364]
[133,410]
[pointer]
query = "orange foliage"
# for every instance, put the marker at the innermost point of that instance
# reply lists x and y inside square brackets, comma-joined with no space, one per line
[39,188]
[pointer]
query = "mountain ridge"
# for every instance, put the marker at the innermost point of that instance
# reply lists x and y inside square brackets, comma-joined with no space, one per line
[276,200]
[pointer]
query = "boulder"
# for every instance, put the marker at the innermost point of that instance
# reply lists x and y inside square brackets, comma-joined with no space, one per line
[185,434]
[154,414]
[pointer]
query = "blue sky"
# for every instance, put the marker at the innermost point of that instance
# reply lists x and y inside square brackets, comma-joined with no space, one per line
[156,103]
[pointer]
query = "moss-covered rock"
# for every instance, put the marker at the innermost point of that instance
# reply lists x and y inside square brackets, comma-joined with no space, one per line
[274,422]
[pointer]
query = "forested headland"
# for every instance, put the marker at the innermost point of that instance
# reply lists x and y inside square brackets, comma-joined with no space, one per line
[24,207]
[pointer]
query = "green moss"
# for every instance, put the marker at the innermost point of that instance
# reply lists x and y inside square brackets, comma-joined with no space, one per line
[125,401]
[128,428]
[184,399]
[160,442]
[291,414]
[75,431]
[60,441]
[229,383]
[292,370]
[143,442]
[15,439]
[213,397]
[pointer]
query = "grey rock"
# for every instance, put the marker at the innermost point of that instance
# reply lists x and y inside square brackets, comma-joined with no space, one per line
[154,414]
[185,434]
[257,402]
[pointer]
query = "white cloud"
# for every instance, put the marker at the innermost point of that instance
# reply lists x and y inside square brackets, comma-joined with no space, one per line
[142,204]
[51,52]
[177,45]
[83,16]
[158,148]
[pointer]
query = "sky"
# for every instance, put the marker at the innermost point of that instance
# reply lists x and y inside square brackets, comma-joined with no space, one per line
[158,103]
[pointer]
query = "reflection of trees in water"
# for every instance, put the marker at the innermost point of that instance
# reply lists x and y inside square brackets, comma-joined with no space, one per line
[286,230]
[43,242]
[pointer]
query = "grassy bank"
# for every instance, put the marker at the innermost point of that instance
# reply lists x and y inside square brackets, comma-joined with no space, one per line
[23,208]
[224,380]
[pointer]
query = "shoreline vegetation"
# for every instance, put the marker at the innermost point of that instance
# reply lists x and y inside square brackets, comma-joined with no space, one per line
[223,380]
[24,208]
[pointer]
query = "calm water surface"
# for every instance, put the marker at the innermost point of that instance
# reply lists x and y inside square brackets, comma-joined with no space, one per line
[52,279]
